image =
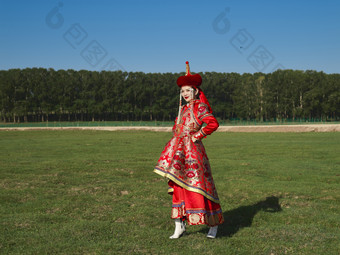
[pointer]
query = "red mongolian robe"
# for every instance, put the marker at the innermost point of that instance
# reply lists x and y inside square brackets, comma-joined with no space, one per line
[186,165]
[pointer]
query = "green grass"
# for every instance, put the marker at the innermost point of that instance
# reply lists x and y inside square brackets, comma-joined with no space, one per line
[94,192]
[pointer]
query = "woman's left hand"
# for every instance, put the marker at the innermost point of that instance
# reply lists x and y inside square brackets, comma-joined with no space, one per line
[194,139]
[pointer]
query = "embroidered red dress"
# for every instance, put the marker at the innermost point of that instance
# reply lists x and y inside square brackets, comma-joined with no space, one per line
[186,165]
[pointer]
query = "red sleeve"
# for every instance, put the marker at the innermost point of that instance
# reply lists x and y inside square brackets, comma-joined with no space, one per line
[212,125]
[206,117]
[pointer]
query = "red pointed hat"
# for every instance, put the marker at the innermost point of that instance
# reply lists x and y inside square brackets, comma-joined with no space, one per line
[195,81]
[189,79]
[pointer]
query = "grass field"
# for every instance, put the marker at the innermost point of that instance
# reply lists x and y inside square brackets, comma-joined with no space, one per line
[94,192]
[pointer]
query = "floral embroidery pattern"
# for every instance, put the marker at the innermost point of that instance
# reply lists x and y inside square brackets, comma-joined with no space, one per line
[196,217]
[186,162]
[177,166]
[190,174]
[202,109]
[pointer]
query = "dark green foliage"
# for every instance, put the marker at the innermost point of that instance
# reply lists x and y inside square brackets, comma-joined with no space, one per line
[40,94]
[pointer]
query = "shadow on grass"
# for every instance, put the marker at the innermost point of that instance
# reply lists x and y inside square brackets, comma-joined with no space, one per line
[243,216]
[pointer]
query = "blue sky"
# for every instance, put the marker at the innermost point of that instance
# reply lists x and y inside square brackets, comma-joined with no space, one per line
[159,36]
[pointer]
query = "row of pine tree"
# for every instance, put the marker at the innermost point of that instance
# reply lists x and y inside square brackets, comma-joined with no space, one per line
[39,94]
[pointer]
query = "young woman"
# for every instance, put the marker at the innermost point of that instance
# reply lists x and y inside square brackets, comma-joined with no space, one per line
[185,163]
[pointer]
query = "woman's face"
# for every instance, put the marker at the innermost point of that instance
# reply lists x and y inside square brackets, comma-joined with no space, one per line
[187,93]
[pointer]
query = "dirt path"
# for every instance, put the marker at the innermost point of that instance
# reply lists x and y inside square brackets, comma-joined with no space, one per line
[257,128]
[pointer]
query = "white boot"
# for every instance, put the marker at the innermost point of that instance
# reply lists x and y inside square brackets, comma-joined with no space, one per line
[179,229]
[212,232]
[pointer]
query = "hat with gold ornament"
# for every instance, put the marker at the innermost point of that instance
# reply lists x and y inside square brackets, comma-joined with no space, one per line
[189,79]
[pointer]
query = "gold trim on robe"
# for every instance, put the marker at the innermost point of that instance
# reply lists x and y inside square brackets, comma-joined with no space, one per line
[185,162]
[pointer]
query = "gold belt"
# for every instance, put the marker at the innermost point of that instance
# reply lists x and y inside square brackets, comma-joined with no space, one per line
[182,130]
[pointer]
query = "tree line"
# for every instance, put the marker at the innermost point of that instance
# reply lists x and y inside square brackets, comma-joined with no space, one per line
[39,94]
